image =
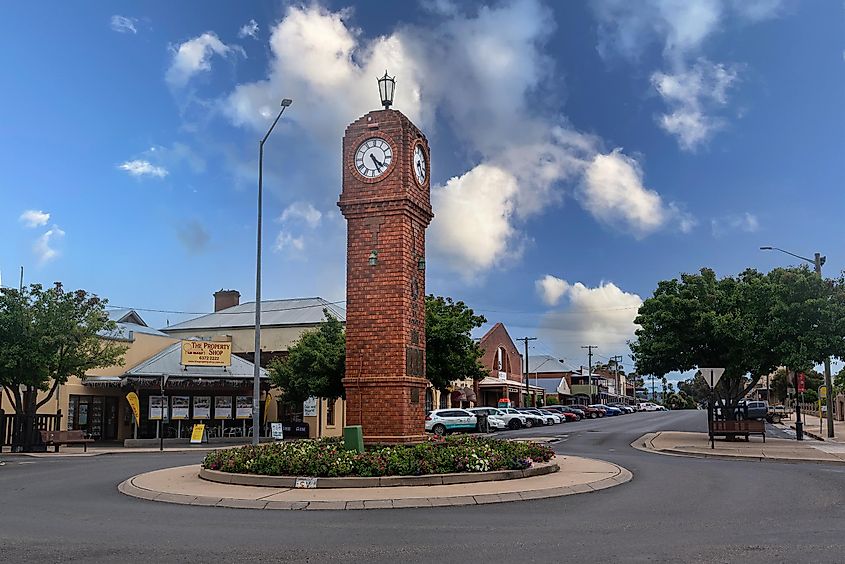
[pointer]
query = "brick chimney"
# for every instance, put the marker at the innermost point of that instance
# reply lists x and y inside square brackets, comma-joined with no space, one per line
[225,299]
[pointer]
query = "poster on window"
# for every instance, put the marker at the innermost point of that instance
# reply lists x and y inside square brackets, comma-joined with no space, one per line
[158,406]
[309,407]
[243,408]
[202,407]
[179,406]
[223,407]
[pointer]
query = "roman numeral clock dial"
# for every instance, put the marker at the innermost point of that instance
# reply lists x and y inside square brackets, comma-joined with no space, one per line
[373,157]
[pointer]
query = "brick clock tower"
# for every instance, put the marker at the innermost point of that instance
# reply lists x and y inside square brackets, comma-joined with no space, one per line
[387,206]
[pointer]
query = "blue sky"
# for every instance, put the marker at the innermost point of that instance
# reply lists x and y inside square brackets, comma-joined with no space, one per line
[580,151]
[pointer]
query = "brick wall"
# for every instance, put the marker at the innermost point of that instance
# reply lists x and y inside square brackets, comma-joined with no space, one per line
[385,304]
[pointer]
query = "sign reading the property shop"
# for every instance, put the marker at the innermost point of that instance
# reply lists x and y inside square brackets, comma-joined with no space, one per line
[223,407]
[206,353]
[179,407]
[243,409]
[202,407]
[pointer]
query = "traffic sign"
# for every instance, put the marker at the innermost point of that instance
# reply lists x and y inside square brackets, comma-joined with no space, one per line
[822,392]
[712,375]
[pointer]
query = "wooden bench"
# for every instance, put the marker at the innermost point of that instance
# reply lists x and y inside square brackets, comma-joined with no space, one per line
[56,438]
[733,429]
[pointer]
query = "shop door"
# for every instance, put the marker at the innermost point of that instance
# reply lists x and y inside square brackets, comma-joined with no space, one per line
[110,419]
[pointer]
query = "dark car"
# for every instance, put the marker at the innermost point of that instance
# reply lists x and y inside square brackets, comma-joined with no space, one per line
[591,412]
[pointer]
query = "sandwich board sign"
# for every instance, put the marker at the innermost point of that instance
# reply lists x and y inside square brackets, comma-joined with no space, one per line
[712,375]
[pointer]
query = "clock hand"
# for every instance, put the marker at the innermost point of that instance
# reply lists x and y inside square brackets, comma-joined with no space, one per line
[378,164]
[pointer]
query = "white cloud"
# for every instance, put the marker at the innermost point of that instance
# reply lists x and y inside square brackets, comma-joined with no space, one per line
[602,316]
[43,247]
[614,193]
[249,29]
[140,167]
[746,222]
[551,289]
[520,164]
[122,24]
[472,230]
[693,92]
[34,218]
[194,56]
[285,240]
[302,211]
[690,94]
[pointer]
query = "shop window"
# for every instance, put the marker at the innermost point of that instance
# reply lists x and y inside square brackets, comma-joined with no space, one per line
[444,398]
[330,411]
[429,400]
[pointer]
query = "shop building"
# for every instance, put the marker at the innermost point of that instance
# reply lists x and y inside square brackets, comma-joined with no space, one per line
[282,324]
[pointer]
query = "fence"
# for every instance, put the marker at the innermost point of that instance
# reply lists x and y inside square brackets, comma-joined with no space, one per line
[11,421]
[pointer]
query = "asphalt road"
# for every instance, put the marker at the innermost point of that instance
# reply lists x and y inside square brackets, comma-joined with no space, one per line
[675,510]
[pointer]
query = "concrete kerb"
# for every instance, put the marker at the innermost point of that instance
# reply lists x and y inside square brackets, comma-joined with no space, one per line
[387,481]
[645,443]
[603,475]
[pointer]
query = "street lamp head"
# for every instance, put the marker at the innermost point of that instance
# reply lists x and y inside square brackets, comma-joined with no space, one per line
[386,86]
[286,102]
[766,248]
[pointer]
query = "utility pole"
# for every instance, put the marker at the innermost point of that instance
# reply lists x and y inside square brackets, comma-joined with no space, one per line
[525,374]
[616,359]
[590,368]
[818,261]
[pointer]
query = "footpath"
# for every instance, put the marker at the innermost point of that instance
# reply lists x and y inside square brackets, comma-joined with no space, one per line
[819,432]
[183,485]
[773,450]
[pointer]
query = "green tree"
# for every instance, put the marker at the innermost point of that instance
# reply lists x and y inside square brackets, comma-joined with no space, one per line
[749,324]
[451,352]
[314,365]
[839,381]
[47,336]
[695,388]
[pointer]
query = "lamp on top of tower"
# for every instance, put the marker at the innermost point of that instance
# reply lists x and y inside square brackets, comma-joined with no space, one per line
[386,86]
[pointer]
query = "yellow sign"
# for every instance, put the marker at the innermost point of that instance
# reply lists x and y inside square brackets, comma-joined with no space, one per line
[135,404]
[822,391]
[206,353]
[198,434]
[267,402]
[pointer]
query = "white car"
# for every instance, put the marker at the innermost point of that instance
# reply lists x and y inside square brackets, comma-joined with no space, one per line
[444,421]
[508,420]
[547,419]
[648,406]
[494,419]
[524,420]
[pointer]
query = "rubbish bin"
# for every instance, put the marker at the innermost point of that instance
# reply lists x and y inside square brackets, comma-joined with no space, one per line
[482,425]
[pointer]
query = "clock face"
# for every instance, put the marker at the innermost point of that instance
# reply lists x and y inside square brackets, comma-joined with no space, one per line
[373,157]
[419,164]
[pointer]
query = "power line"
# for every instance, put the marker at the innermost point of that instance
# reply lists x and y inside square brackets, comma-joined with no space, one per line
[263,310]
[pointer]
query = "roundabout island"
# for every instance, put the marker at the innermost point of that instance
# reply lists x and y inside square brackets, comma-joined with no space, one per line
[455,471]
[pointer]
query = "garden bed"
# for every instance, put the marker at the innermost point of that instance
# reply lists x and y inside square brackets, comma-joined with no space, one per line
[326,458]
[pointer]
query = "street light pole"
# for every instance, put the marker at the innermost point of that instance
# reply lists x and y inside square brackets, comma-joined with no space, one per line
[256,375]
[817,261]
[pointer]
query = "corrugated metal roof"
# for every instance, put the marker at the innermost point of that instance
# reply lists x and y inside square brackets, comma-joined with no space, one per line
[167,363]
[296,311]
[544,363]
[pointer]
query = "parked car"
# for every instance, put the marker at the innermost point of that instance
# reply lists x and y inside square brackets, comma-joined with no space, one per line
[569,414]
[543,418]
[559,418]
[524,419]
[589,411]
[445,421]
[498,418]
[753,409]
[623,407]
[610,411]
[575,410]
[647,406]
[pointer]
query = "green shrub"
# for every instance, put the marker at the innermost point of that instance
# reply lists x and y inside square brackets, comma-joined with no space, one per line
[327,458]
